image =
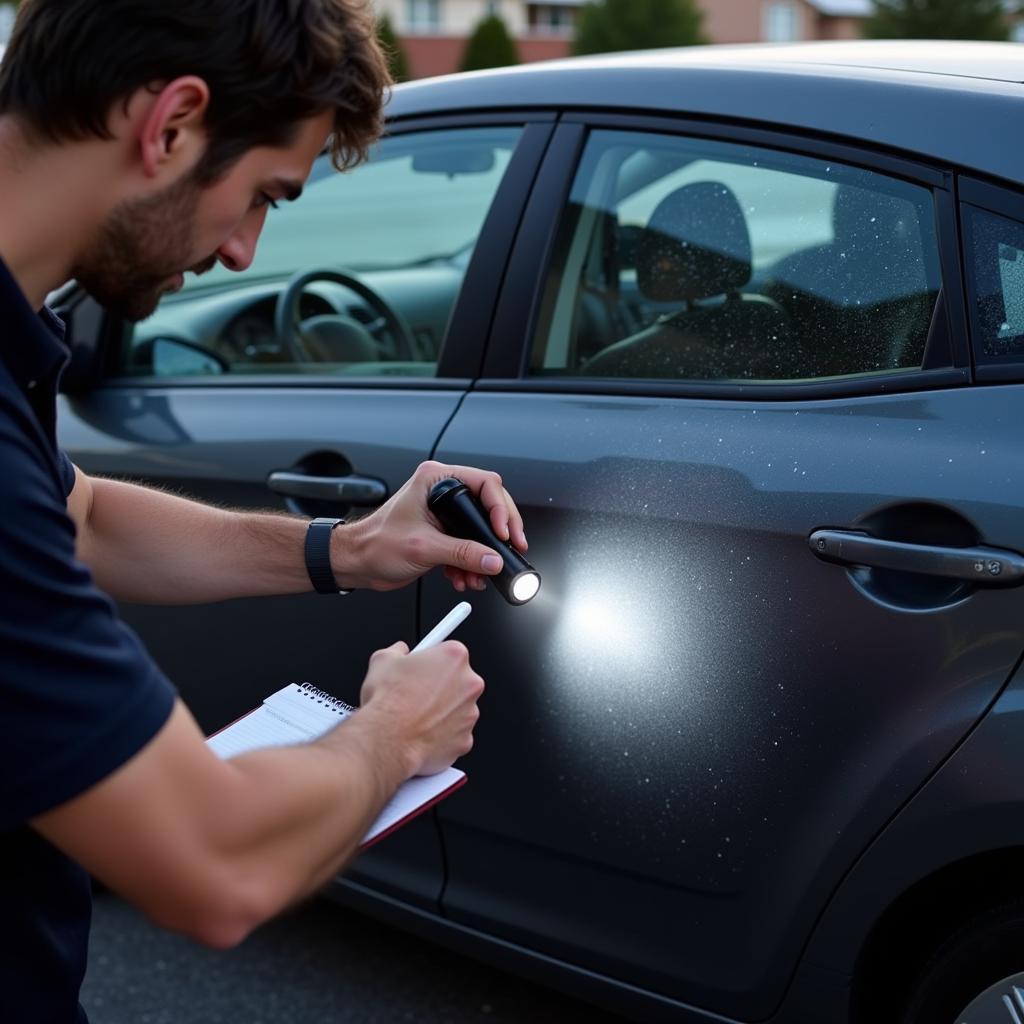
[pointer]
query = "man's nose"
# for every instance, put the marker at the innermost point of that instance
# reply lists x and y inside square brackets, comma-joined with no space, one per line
[238,251]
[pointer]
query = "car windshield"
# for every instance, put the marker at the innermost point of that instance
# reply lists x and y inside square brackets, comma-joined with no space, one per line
[420,199]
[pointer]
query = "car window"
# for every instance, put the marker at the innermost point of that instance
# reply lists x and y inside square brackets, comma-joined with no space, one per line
[996,256]
[693,259]
[381,250]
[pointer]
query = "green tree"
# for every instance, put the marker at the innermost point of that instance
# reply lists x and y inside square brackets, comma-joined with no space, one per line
[389,42]
[490,46]
[938,19]
[605,26]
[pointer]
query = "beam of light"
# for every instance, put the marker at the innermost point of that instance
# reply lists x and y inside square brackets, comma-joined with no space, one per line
[620,623]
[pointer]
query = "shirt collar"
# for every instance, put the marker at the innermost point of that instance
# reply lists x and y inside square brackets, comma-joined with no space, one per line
[31,344]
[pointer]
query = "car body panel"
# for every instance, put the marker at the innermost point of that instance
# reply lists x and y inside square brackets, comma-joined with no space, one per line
[220,445]
[893,108]
[660,711]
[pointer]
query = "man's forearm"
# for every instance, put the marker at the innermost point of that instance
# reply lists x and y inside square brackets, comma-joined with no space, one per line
[149,546]
[212,848]
[302,812]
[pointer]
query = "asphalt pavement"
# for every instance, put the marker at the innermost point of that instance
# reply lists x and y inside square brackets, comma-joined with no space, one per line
[319,964]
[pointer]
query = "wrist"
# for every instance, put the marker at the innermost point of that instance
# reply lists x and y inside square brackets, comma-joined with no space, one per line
[348,555]
[381,744]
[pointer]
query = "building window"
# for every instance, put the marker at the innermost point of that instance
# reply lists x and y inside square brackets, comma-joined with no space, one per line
[553,19]
[781,22]
[423,15]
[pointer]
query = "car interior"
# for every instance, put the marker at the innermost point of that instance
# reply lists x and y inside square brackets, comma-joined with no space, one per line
[358,279]
[742,271]
[676,259]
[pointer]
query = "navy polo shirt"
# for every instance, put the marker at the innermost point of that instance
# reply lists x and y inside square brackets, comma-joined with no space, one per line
[79,695]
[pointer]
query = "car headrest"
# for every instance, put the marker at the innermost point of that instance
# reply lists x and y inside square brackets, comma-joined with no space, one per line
[872,219]
[695,245]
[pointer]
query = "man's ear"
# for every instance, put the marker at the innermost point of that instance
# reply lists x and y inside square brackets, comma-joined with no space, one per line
[172,133]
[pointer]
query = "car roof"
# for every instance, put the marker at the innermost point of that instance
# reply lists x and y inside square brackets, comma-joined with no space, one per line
[956,102]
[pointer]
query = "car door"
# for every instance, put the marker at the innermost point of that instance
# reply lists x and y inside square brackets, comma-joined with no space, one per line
[773,518]
[326,416]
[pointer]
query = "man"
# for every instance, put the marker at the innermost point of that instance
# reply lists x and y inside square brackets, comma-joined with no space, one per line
[139,139]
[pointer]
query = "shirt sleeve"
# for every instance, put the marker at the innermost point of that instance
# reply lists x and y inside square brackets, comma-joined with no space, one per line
[79,695]
[67,471]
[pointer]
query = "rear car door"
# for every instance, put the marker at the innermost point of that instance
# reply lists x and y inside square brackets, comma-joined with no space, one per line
[402,259]
[743,354]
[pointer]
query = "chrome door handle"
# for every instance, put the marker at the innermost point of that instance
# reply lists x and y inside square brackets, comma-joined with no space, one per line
[341,490]
[982,566]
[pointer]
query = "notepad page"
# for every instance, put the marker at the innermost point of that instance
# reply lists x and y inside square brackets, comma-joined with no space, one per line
[297,714]
[284,719]
[411,796]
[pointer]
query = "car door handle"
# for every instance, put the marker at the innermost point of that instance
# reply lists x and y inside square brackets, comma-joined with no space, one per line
[982,566]
[341,490]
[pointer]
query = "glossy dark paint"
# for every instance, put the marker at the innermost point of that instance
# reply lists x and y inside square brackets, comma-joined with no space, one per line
[834,96]
[738,720]
[220,445]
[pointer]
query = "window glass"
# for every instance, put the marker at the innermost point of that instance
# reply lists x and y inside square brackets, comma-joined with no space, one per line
[556,18]
[996,247]
[692,259]
[423,15]
[387,245]
[781,22]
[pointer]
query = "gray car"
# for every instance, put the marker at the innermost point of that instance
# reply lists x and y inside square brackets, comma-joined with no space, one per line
[743,331]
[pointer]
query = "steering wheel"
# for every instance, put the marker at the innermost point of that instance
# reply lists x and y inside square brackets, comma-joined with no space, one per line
[387,336]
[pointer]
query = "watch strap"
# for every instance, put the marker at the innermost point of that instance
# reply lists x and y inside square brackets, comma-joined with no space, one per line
[318,556]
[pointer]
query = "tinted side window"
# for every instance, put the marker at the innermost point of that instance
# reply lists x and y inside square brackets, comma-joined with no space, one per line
[692,259]
[386,245]
[995,247]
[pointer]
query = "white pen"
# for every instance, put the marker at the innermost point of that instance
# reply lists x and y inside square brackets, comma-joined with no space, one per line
[441,631]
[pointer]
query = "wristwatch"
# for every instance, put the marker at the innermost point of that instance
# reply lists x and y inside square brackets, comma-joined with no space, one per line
[318,556]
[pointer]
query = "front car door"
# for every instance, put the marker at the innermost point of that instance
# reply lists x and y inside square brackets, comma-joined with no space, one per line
[738,339]
[260,390]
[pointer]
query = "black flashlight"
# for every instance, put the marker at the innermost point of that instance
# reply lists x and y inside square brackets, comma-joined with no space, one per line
[463,516]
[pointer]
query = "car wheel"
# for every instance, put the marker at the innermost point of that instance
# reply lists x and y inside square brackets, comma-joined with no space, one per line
[976,976]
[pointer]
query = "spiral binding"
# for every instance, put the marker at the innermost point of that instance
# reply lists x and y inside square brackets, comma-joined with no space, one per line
[335,704]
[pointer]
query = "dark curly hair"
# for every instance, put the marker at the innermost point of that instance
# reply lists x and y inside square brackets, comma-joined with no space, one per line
[269,65]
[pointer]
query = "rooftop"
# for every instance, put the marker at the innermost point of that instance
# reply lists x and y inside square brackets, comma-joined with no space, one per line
[844,8]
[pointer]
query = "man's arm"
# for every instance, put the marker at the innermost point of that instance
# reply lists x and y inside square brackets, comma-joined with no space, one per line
[213,848]
[150,546]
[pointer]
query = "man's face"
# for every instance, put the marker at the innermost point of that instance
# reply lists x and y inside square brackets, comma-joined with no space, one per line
[146,245]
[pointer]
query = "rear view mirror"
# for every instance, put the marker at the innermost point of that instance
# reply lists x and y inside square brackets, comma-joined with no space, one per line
[452,161]
[174,357]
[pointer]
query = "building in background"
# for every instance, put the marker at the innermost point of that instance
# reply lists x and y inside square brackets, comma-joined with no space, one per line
[433,33]
[783,21]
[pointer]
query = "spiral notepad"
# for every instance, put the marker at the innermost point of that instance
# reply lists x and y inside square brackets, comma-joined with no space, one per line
[301,713]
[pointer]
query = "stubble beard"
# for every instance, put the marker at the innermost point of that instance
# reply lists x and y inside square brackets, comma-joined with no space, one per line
[139,248]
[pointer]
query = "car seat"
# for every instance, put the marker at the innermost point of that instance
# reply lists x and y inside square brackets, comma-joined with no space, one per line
[861,302]
[696,251]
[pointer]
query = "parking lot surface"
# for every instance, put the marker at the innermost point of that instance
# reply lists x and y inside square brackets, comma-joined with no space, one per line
[318,963]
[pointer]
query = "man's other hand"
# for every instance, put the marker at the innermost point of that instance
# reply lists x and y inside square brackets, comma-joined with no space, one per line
[402,540]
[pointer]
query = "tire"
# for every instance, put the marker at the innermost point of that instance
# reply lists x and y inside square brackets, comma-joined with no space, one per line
[986,952]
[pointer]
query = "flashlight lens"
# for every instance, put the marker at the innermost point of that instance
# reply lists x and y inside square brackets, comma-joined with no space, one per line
[526,586]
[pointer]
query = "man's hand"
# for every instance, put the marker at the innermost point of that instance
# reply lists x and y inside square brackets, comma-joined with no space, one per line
[402,540]
[426,701]
[213,848]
